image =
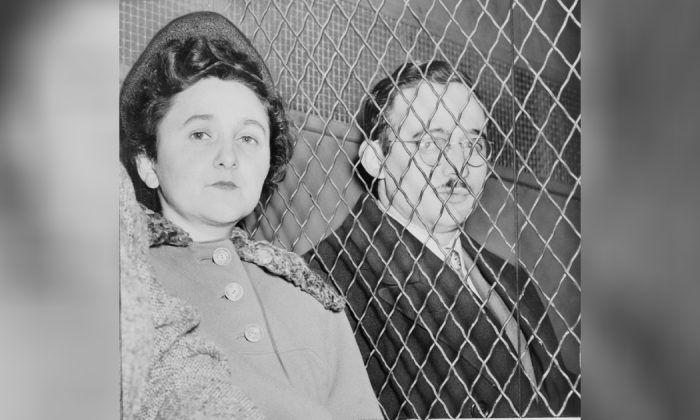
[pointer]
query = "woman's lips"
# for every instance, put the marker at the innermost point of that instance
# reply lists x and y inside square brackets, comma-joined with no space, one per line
[224,185]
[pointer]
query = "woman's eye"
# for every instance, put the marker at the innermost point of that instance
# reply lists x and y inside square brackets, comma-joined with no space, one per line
[249,140]
[200,136]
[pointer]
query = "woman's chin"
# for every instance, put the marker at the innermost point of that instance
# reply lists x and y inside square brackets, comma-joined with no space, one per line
[224,218]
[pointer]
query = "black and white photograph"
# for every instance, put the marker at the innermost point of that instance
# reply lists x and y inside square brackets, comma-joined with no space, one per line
[349,209]
[338,209]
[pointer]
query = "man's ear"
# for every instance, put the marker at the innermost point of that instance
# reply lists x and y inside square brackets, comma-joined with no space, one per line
[371,157]
[147,173]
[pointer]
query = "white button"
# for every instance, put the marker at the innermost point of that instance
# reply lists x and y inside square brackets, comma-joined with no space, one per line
[222,256]
[253,333]
[233,291]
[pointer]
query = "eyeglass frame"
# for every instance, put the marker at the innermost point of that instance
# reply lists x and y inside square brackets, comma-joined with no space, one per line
[445,150]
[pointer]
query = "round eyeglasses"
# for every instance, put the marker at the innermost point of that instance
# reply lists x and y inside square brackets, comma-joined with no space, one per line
[432,150]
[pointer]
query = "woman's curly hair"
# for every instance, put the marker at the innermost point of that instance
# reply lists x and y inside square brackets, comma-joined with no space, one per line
[178,66]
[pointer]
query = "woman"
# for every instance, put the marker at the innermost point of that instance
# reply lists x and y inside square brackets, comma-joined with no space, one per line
[203,135]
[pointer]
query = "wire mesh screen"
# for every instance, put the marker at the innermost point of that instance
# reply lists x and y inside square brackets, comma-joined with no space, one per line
[524,57]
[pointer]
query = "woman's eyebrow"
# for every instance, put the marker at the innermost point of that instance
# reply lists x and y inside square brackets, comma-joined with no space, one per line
[198,117]
[207,117]
[257,123]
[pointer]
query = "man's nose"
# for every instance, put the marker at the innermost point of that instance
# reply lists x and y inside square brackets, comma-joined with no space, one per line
[227,155]
[456,160]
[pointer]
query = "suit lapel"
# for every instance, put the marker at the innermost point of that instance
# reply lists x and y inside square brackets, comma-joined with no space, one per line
[408,271]
[518,293]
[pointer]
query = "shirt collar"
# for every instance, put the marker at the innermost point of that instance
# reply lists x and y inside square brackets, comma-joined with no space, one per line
[419,231]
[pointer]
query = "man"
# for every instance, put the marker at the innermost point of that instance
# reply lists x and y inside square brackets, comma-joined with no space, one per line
[446,328]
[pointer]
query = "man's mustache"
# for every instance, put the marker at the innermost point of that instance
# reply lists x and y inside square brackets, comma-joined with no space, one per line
[455,183]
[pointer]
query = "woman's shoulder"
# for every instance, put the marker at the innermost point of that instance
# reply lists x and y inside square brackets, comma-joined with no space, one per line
[289,267]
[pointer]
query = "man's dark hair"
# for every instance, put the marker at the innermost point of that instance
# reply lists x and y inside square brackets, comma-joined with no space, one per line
[180,65]
[377,106]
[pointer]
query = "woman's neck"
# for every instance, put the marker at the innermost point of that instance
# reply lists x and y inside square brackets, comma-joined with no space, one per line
[200,231]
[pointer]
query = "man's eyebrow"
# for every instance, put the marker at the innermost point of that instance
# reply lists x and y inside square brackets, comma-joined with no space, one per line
[198,117]
[476,131]
[420,133]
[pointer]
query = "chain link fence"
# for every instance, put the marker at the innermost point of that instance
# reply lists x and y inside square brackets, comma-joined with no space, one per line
[325,55]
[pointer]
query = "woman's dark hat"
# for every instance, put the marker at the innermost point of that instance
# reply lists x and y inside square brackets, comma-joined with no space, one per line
[209,24]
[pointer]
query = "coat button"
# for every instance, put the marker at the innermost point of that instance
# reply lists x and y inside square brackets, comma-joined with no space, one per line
[253,333]
[233,291]
[476,406]
[222,256]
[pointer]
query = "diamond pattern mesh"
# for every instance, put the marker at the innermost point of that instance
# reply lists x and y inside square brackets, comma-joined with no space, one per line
[524,56]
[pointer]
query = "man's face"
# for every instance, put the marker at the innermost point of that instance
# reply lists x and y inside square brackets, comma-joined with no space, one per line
[442,188]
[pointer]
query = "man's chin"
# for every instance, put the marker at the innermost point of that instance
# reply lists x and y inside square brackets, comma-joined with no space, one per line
[456,213]
[457,198]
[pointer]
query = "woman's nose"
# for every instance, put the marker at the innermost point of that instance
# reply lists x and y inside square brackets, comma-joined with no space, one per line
[227,155]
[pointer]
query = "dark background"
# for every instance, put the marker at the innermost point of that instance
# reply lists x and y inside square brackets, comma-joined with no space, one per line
[59,316]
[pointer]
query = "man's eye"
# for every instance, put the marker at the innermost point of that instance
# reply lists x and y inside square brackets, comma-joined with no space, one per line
[478,144]
[431,144]
[426,145]
[200,136]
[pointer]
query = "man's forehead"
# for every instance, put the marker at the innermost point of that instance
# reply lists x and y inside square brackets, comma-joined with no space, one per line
[427,99]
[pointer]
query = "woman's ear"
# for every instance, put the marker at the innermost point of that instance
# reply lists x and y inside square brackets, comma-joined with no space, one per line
[147,173]
[371,157]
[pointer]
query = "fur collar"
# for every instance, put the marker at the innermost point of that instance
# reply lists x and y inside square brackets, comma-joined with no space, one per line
[277,261]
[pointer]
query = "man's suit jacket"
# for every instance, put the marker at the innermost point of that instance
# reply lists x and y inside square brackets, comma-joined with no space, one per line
[430,347]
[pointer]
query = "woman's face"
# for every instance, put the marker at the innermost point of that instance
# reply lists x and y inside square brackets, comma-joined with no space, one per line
[212,157]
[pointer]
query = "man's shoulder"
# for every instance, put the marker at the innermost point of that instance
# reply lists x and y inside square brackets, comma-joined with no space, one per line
[356,241]
[358,226]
